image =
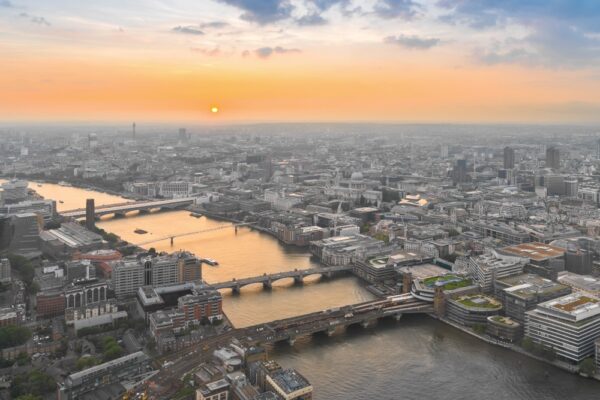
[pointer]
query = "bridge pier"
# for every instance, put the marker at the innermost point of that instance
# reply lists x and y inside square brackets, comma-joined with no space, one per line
[119,215]
[368,323]
[236,289]
[298,280]
[144,211]
[268,285]
[292,341]
[398,316]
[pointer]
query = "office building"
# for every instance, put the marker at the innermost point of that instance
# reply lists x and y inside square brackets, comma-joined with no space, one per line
[504,328]
[522,293]
[552,158]
[130,274]
[14,191]
[487,268]
[472,309]
[127,277]
[289,385]
[120,370]
[5,273]
[25,235]
[190,267]
[90,214]
[567,325]
[509,158]
[217,390]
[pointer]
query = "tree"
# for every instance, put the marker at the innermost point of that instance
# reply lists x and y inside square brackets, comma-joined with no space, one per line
[12,335]
[527,344]
[587,366]
[28,397]
[33,383]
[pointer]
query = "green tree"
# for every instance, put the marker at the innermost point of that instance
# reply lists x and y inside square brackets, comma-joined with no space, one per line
[588,366]
[28,397]
[527,344]
[32,383]
[12,335]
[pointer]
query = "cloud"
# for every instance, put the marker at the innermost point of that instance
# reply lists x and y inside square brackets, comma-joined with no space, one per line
[585,14]
[188,30]
[563,33]
[262,11]
[404,9]
[412,42]
[40,21]
[266,52]
[207,52]
[214,25]
[313,19]
[6,4]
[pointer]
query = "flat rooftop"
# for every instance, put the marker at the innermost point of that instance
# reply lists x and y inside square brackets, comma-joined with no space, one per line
[535,251]
[479,301]
[289,380]
[577,306]
[580,282]
[529,285]
[423,271]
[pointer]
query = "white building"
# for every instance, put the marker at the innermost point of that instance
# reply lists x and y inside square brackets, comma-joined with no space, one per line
[568,325]
[485,269]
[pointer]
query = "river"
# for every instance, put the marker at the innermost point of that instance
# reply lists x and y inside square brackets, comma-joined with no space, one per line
[415,358]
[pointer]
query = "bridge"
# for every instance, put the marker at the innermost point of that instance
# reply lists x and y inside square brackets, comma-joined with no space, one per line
[123,208]
[267,279]
[172,237]
[336,319]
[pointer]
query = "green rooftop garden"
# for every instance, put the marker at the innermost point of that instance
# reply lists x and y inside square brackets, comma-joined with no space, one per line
[448,282]
[479,301]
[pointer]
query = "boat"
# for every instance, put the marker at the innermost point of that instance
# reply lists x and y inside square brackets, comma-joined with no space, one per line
[140,231]
[210,261]
[195,215]
[61,202]
[63,183]
[39,185]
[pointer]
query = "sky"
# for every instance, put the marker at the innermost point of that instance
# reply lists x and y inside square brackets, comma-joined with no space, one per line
[474,61]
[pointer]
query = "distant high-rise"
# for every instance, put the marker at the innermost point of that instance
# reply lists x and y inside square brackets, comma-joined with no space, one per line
[598,149]
[509,158]
[459,173]
[552,158]
[183,136]
[133,131]
[90,214]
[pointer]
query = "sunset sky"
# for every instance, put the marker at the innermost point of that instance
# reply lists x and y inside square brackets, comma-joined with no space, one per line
[300,60]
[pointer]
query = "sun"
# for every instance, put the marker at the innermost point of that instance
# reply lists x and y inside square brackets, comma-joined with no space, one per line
[214,109]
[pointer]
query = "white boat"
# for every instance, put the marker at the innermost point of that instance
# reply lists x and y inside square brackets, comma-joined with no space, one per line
[210,261]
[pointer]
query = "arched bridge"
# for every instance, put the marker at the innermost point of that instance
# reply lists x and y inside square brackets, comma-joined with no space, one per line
[267,279]
[123,208]
[332,320]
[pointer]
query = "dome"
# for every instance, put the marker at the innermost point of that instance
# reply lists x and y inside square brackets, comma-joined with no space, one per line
[356,176]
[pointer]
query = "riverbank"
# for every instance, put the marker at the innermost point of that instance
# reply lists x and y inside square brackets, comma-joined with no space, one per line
[513,347]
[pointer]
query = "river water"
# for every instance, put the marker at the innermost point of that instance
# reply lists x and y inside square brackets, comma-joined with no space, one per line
[416,358]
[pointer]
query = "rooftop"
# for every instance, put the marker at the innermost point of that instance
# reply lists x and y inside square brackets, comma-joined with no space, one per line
[535,251]
[289,380]
[479,301]
[575,306]
[447,281]
[529,285]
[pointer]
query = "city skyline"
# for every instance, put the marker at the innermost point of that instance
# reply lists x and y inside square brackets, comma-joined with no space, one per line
[300,61]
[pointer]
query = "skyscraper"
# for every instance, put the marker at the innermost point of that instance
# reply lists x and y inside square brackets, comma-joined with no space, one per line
[552,158]
[509,158]
[90,214]
[133,131]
